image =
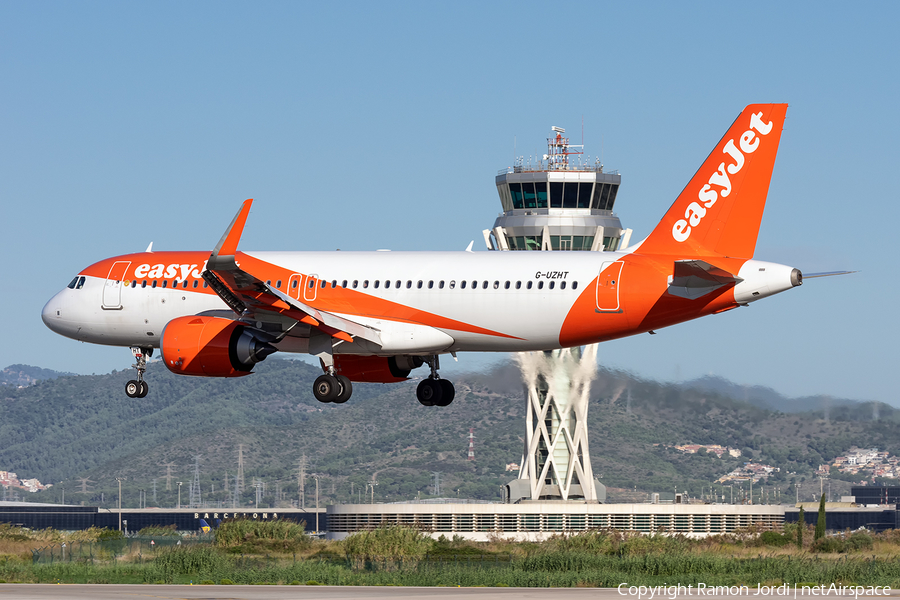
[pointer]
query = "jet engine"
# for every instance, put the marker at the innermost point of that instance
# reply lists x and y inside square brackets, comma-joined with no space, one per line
[211,347]
[376,369]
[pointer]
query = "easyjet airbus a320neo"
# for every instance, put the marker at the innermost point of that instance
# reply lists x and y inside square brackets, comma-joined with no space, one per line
[376,316]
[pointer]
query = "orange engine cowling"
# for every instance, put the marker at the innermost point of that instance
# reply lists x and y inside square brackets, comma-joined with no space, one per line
[376,369]
[211,347]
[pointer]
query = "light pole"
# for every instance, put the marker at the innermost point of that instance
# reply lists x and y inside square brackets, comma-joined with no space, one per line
[316,477]
[179,494]
[119,480]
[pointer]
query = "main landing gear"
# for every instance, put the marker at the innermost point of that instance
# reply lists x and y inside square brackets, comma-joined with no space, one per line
[435,391]
[332,388]
[138,388]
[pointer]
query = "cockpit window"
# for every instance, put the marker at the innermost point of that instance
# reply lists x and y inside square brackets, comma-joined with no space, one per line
[80,283]
[71,286]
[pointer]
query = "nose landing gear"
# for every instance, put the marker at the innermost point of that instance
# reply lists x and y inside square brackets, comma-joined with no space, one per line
[435,391]
[138,388]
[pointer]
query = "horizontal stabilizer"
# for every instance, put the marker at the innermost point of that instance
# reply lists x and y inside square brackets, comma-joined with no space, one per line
[693,279]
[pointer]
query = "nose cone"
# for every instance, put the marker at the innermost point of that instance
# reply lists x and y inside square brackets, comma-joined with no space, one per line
[52,314]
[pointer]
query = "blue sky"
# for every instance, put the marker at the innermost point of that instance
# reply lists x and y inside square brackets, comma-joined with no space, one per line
[381,125]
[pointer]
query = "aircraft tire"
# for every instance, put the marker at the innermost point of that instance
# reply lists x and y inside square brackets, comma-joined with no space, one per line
[429,392]
[133,388]
[325,388]
[144,389]
[448,392]
[346,389]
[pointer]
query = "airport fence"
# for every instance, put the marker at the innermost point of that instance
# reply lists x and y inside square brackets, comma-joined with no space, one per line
[136,549]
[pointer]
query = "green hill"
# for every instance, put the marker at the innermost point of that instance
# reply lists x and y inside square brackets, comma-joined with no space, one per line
[85,427]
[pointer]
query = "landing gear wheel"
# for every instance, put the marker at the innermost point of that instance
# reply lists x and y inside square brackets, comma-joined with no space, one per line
[345,391]
[447,393]
[133,388]
[429,392]
[326,388]
[144,389]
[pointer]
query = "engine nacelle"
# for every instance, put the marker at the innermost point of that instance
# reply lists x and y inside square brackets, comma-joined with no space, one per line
[211,347]
[376,369]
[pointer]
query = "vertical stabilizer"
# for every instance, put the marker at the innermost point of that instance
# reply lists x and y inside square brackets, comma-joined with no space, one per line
[719,211]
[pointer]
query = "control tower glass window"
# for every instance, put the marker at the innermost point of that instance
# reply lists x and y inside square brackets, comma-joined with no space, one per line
[515,190]
[556,194]
[524,242]
[612,196]
[584,195]
[604,196]
[528,195]
[540,192]
[570,195]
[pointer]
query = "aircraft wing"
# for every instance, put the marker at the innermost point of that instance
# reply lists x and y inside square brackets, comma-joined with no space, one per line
[254,299]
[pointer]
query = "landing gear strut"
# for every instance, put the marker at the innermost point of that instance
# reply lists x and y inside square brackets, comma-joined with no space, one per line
[138,388]
[331,387]
[435,391]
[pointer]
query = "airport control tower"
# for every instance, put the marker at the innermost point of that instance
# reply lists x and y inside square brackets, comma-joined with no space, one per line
[560,203]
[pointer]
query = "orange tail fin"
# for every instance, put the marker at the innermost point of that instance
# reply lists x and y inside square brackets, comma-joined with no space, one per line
[719,211]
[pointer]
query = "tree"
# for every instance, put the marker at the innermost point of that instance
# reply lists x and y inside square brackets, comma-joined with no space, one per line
[801,525]
[820,523]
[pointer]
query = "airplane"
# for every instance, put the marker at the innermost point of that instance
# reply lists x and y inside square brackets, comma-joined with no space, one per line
[377,316]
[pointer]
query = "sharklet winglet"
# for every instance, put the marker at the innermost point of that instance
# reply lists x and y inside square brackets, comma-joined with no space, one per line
[222,256]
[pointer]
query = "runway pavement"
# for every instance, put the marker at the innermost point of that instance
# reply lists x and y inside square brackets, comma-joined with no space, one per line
[302,592]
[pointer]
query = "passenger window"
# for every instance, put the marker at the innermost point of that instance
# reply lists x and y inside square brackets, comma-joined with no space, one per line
[562,285]
[462,284]
[484,285]
[195,284]
[419,285]
[518,285]
[529,284]
[355,283]
[452,283]
[333,283]
[184,284]
[366,283]
[205,284]
[165,283]
[497,285]
[312,283]
[154,285]
[268,282]
[441,284]
[474,285]
[344,284]
[398,284]
[408,284]
[294,284]
[430,285]
[552,284]
[387,284]
[574,285]
[80,283]
[324,284]
[506,286]
[377,283]
[134,283]
[144,283]
[540,285]
[278,284]
[71,285]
